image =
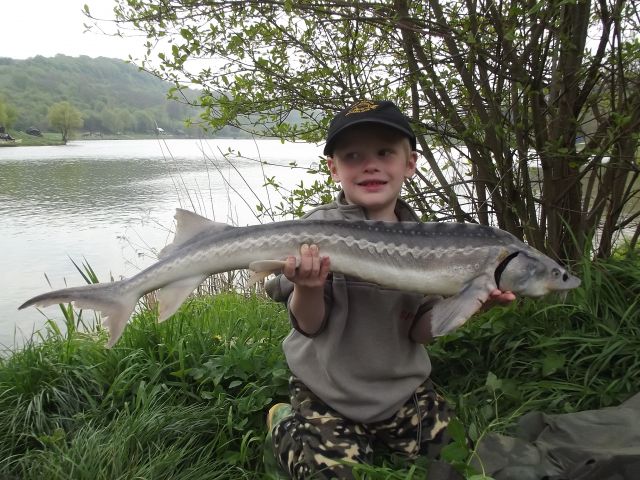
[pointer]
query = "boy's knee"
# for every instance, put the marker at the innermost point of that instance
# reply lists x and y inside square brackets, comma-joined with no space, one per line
[319,446]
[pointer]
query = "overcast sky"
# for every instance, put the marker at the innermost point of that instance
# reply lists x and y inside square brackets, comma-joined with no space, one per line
[48,27]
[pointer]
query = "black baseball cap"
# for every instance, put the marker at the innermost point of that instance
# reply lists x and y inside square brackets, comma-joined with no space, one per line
[382,112]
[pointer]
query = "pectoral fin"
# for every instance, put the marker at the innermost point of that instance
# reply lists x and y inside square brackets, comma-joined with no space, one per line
[262,269]
[453,312]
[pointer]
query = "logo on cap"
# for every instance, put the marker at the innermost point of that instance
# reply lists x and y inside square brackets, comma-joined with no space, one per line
[363,106]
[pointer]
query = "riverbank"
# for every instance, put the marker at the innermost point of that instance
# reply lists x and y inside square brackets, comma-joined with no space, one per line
[22,139]
[52,138]
[187,398]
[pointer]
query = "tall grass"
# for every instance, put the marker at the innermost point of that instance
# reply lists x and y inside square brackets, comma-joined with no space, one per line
[181,399]
[187,398]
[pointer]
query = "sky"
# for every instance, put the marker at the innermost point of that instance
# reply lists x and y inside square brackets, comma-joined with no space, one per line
[49,27]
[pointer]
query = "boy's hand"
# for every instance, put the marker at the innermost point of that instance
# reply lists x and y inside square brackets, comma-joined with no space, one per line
[498,297]
[307,300]
[312,271]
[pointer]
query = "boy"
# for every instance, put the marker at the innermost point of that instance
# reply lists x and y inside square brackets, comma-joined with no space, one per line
[360,370]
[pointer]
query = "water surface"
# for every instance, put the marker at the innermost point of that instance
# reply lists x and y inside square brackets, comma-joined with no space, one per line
[112,203]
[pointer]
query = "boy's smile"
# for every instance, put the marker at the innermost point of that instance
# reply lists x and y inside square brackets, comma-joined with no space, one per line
[371,162]
[373,185]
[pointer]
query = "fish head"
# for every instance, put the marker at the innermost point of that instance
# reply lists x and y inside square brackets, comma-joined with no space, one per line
[533,275]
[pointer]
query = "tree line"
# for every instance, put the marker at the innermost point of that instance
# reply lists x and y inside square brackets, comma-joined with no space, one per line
[528,112]
[109,95]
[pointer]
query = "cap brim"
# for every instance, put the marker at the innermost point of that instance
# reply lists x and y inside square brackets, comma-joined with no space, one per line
[328,148]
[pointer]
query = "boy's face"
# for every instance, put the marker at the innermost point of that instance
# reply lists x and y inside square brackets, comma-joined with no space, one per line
[371,162]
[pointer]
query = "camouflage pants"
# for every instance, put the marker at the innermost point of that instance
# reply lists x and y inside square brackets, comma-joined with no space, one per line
[318,442]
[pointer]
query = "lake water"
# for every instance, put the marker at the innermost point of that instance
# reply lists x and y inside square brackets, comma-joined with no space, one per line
[112,203]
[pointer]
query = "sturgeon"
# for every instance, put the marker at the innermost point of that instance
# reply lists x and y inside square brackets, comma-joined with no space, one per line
[459,260]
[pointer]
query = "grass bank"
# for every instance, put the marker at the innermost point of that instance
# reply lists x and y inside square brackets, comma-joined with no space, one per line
[187,398]
[54,138]
[25,140]
[183,399]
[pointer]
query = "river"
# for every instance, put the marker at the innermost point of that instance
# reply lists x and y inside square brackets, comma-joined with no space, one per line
[112,202]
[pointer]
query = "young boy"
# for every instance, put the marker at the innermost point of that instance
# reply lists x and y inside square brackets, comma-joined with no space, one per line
[360,370]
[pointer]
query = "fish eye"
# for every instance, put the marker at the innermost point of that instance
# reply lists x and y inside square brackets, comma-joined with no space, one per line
[555,272]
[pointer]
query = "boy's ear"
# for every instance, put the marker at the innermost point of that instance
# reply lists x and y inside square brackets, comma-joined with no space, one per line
[412,161]
[333,169]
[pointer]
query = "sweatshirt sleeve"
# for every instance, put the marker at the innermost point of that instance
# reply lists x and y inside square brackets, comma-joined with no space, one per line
[279,288]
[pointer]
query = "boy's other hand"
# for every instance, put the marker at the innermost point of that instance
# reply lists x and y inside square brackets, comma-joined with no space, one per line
[312,271]
[498,297]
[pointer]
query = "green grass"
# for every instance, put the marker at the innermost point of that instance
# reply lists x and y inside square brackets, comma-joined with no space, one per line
[187,398]
[183,399]
[47,138]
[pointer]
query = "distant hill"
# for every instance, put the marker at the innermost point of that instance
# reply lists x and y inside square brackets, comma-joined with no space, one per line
[112,95]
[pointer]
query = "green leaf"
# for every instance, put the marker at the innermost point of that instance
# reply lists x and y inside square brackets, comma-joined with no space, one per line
[454,452]
[552,363]
[510,388]
[493,382]
[457,431]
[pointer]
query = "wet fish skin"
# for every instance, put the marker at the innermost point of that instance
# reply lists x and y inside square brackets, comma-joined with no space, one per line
[449,259]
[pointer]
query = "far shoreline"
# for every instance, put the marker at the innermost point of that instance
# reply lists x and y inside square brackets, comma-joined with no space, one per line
[54,139]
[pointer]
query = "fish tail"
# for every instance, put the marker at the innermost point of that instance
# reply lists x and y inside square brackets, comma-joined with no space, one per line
[115,301]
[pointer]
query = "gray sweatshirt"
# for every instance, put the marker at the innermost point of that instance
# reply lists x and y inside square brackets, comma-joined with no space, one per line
[362,362]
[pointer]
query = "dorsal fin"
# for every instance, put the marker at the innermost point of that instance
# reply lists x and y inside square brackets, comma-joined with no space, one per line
[188,226]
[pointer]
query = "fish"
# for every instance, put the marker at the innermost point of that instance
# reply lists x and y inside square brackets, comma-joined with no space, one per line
[463,261]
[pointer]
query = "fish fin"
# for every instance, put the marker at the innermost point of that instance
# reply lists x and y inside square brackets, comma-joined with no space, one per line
[259,276]
[262,269]
[453,312]
[113,300]
[115,319]
[266,265]
[188,226]
[171,296]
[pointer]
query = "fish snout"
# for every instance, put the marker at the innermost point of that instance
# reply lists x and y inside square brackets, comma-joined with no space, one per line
[563,280]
